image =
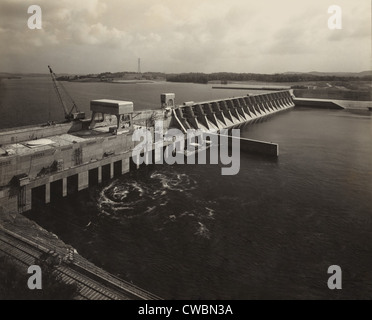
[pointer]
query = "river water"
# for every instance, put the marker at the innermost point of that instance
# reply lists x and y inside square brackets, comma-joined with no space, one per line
[187,232]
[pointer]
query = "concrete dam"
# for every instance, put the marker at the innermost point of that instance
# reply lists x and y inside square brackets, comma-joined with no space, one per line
[227,113]
[40,164]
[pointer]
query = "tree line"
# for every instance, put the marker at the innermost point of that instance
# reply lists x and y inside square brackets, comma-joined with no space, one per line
[282,77]
[224,77]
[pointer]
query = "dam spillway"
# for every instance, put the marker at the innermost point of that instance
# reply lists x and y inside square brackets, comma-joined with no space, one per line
[226,113]
[39,164]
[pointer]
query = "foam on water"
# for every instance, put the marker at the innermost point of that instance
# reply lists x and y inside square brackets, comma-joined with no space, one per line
[202,231]
[129,198]
[177,182]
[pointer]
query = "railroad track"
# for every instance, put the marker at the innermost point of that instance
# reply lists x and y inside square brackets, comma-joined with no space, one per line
[94,283]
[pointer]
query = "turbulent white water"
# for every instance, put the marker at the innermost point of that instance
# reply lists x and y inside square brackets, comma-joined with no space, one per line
[129,198]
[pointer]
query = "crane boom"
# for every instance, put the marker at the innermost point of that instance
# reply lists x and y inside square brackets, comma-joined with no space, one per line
[69,115]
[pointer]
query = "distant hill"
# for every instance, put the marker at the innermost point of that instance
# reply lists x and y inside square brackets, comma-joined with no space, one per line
[204,78]
[8,74]
[335,74]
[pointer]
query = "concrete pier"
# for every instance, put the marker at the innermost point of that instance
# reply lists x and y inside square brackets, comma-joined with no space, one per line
[64,187]
[83,180]
[99,174]
[47,193]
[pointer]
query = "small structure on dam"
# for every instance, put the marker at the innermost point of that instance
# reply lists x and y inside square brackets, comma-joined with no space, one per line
[104,109]
[42,163]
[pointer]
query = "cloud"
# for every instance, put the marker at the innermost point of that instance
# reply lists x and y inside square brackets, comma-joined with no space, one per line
[173,36]
[355,25]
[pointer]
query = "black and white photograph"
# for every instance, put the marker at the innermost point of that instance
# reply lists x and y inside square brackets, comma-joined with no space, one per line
[185,154]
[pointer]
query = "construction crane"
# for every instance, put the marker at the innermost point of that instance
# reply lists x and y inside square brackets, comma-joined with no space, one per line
[69,115]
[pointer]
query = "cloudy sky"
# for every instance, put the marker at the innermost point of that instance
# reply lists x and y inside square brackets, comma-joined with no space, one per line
[263,36]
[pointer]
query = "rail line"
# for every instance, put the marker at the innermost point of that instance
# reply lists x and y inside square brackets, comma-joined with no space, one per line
[94,283]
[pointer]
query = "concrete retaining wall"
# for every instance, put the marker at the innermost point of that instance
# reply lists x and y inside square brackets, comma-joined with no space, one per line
[256,146]
[259,147]
[317,103]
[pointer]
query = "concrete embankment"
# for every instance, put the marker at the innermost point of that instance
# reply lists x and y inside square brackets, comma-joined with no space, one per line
[317,103]
[253,87]
[351,105]
[333,93]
